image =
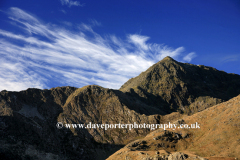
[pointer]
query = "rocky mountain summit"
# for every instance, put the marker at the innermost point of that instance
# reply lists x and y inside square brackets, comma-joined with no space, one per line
[165,92]
[172,86]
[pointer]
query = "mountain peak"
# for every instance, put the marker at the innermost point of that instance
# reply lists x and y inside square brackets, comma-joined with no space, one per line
[175,85]
[168,58]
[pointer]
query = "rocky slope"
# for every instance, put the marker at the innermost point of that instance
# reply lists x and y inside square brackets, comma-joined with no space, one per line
[172,86]
[28,118]
[103,106]
[217,138]
[28,121]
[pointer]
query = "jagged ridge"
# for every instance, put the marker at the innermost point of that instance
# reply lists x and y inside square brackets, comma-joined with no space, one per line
[28,118]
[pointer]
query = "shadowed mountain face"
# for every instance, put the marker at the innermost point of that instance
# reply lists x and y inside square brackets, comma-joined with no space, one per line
[28,118]
[28,122]
[171,85]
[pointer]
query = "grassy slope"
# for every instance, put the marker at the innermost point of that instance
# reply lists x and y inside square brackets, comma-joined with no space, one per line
[218,136]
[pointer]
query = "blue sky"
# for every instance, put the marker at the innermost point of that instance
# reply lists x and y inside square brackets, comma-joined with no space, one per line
[45,44]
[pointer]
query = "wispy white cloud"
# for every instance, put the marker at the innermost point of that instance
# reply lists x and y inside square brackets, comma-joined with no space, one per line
[53,56]
[189,57]
[94,22]
[16,76]
[139,41]
[63,11]
[70,3]
[17,13]
[67,23]
[229,58]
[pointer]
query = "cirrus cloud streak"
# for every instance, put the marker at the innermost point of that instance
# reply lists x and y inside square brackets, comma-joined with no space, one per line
[45,56]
